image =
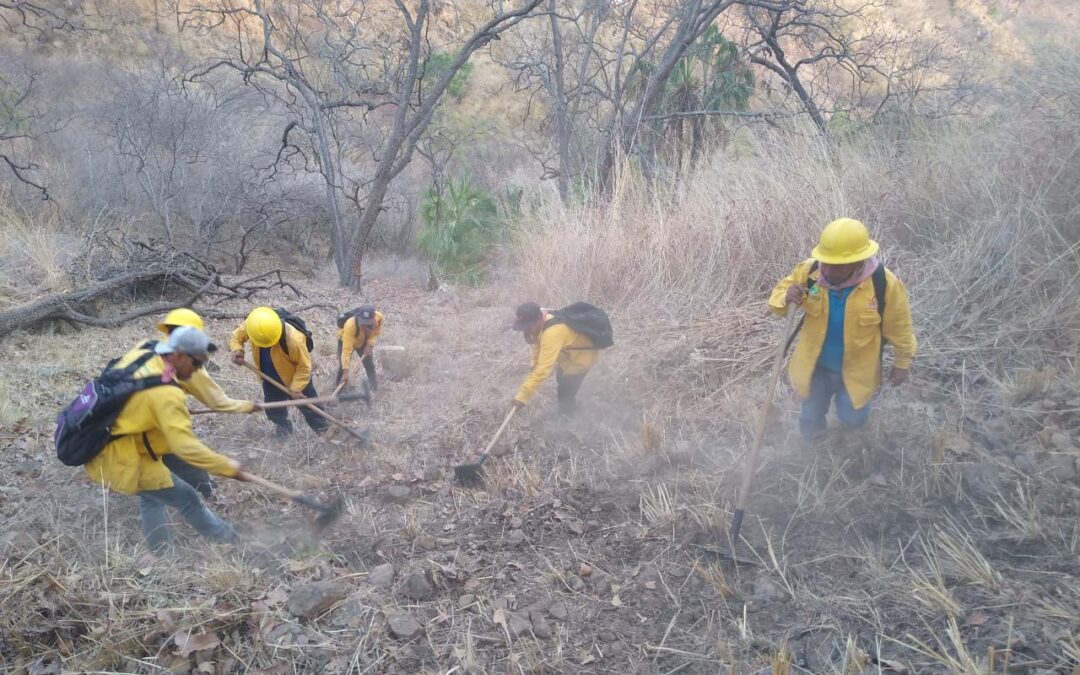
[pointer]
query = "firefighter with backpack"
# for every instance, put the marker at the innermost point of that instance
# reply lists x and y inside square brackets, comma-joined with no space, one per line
[567,341]
[359,331]
[203,387]
[852,305]
[281,350]
[131,417]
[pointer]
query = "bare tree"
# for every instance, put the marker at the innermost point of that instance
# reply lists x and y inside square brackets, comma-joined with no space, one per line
[355,70]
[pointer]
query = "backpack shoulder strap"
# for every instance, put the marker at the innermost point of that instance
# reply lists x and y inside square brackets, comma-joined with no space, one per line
[284,341]
[878,278]
[811,281]
[139,362]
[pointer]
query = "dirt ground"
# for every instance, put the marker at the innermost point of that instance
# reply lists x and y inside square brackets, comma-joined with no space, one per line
[944,538]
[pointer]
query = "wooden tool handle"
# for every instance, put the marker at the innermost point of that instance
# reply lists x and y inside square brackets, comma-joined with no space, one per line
[269,485]
[502,428]
[315,409]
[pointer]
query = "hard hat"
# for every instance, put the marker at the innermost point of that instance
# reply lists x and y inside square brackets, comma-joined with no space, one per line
[843,241]
[263,327]
[181,316]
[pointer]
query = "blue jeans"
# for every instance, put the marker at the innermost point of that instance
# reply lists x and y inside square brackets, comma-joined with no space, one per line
[182,497]
[826,385]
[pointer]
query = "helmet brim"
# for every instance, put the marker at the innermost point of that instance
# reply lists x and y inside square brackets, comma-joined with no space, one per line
[865,253]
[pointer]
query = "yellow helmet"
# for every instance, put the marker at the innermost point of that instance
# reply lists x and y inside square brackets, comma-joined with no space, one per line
[263,327]
[181,316]
[844,241]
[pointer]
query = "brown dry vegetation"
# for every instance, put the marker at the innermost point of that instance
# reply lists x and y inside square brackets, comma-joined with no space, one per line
[943,539]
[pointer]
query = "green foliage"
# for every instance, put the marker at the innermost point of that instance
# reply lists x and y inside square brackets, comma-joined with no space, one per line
[460,224]
[438,64]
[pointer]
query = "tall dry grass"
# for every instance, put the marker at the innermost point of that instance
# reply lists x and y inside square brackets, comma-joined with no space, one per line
[978,216]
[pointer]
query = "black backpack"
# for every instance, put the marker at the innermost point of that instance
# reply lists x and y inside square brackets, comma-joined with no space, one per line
[297,323]
[877,278]
[84,427]
[344,317]
[587,319]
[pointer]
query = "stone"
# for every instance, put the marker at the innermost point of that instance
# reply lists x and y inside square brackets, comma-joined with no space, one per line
[1025,463]
[981,479]
[515,536]
[15,542]
[1061,468]
[433,473]
[520,624]
[601,584]
[576,584]
[381,575]
[313,599]
[558,611]
[541,629]
[396,494]
[607,636]
[415,586]
[404,626]
[395,361]
[767,590]
[1061,442]
[516,523]
[351,614]
[466,601]
[426,543]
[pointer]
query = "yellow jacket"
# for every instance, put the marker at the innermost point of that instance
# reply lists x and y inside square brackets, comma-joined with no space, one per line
[158,416]
[294,368]
[573,351]
[353,337]
[202,386]
[863,330]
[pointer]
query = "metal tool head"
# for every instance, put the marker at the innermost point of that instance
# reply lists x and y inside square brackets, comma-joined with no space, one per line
[470,474]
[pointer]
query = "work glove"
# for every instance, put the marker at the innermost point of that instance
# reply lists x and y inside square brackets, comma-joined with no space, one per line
[238,357]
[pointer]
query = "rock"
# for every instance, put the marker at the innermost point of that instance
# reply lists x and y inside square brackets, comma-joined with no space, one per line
[592,525]
[1025,463]
[433,473]
[576,584]
[767,590]
[396,494]
[381,575]
[466,601]
[395,361]
[516,523]
[520,624]
[1061,468]
[607,636]
[1061,442]
[312,600]
[601,584]
[426,543]
[351,614]
[500,603]
[981,479]
[515,536]
[541,629]
[287,634]
[558,611]
[416,586]
[584,570]
[16,541]
[404,626]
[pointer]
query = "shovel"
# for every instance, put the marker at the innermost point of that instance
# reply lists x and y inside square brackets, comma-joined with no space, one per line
[759,433]
[360,436]
[333,398]
[471,474]
[328,513]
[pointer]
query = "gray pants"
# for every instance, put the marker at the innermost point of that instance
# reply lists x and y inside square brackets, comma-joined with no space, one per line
[182,497]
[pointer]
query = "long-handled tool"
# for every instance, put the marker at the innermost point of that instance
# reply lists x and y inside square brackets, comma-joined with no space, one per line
[360,436]
[333,398]
[759,433]
[328,513]
[470,474]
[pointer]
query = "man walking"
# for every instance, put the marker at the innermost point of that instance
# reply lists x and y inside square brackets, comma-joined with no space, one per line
[851,306]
